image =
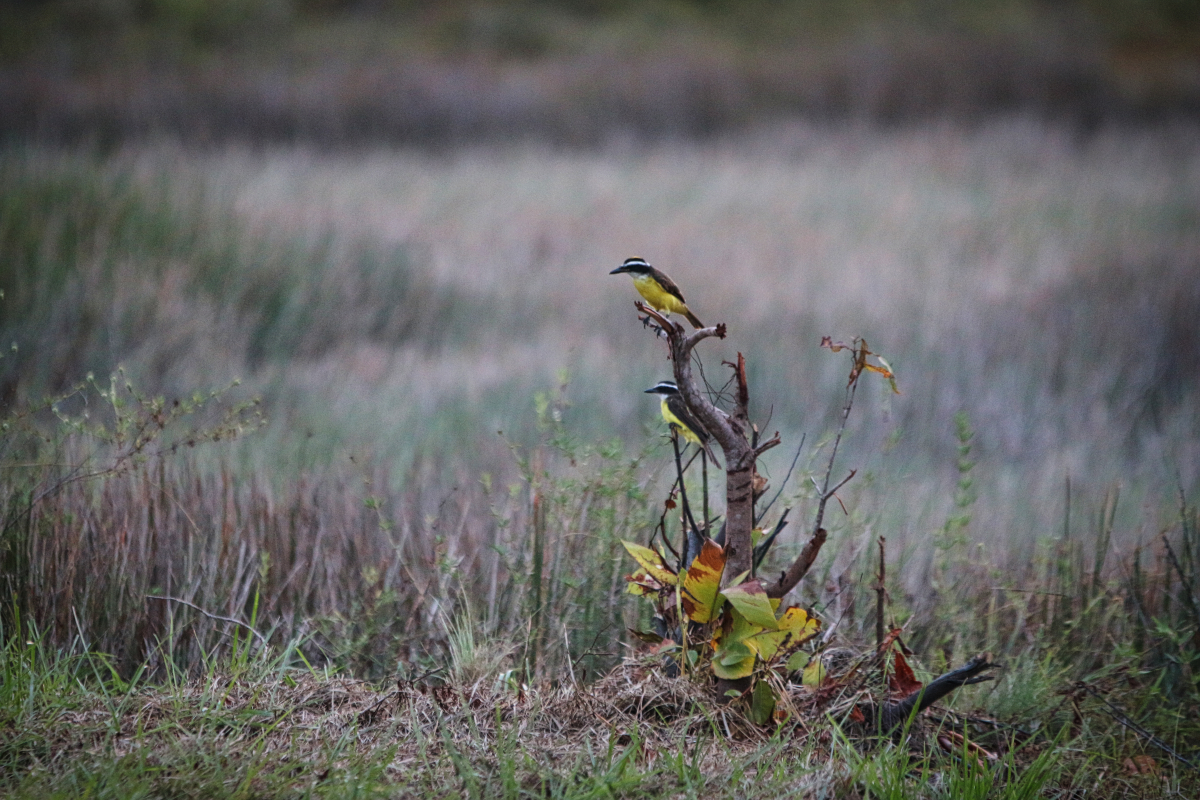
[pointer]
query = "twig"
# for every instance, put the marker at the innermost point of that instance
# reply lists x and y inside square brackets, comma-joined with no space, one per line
[366,716]
[881,593]
[1120,717]
[786,478]
[825,493]
[788,580]
[845,480]
[589,651]
[570,665]
[774,441]
[429,673]
[799,568]
[261,639]
[661,527]
[1026,591]
[760,552]
[1189,592]
[688,551]
[828,634]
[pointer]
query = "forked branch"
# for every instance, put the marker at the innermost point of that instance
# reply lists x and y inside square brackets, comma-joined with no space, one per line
[799,568]
[729,433]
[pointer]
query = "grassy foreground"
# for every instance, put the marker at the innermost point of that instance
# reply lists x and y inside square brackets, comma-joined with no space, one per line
[253,727]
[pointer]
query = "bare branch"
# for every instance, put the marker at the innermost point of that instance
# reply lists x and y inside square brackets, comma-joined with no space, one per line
[261,639]
[667,326]
[825,493]
[728,432]
[764,546]
[845,480]
[742,409]
[1116,714]
[774,441]
[799,568]
[787,477]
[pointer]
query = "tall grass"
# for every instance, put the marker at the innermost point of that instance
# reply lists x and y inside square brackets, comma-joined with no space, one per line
[157,556]
[396,309]
[109,264]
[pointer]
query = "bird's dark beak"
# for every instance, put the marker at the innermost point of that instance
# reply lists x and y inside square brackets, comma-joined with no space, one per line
[652,388]
[619,270]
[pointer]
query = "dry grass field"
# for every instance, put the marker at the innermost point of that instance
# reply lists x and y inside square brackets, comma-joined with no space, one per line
[295,435]
[1034,288]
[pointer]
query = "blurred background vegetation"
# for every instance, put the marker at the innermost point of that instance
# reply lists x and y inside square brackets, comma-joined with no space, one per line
[393,222]
[439,73]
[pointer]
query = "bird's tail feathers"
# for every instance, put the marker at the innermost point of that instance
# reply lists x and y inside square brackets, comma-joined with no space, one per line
[711,455]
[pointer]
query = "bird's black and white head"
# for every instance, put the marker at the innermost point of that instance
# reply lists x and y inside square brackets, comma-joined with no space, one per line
[665,388]
[634,266]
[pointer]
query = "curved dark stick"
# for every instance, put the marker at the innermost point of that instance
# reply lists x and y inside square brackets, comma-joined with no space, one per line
[892,715]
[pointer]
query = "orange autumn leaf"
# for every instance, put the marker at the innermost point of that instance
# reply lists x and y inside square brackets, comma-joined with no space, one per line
[901,680]
[861,353]
[702,583]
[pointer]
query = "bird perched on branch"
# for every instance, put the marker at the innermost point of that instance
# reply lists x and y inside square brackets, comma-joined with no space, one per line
[677,415]
[658,289]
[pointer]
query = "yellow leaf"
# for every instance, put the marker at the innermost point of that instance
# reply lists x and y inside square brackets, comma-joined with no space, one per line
[702,583]
[641,584]
[890,375]
[884,371]
[795,628]
[814,673]
[799,625]
[651,562]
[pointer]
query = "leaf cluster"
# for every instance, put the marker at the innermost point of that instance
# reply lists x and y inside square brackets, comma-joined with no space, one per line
[736,633]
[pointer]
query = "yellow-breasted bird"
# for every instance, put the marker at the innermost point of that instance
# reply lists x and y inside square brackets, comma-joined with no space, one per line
[659,290]
[676,414]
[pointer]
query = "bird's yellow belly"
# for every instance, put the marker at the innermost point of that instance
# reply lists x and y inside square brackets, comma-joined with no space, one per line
[684,430]
[661,301]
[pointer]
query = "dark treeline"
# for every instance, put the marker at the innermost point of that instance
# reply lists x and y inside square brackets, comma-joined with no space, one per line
[346,72]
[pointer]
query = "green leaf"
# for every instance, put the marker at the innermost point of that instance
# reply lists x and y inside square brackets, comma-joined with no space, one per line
[798,661]
[732,672]
[735,656]
[751,601]
[762,703]
[733,653]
